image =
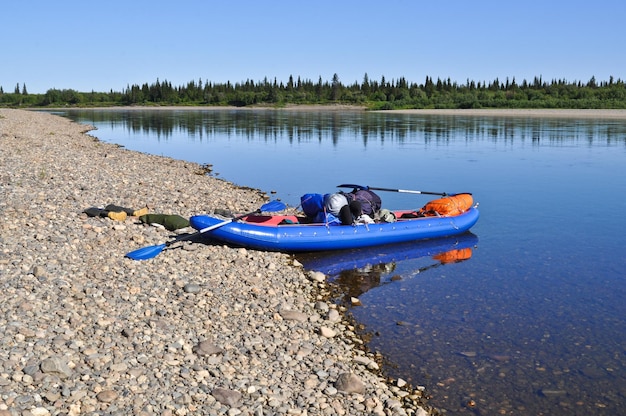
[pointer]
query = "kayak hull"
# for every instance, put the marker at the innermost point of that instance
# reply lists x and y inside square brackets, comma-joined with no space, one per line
[260,234]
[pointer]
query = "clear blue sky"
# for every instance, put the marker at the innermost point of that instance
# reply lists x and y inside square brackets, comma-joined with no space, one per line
[102,45]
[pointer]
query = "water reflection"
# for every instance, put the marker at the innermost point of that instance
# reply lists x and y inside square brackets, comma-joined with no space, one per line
[356,272]
[318,126]
[359,270]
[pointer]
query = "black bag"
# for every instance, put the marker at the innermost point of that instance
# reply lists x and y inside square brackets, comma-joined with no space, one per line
[370,202]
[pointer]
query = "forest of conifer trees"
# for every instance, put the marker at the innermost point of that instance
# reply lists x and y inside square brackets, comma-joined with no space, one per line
[380,94]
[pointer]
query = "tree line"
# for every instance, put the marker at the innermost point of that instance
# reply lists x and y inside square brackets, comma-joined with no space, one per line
[380,94]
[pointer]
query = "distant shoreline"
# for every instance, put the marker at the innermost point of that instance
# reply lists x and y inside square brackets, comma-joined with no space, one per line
[531,112]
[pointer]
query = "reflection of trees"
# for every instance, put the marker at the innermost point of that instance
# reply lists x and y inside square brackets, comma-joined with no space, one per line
[369,128]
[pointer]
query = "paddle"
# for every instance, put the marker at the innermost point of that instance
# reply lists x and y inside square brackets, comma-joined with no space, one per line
[406,191]
[146,253]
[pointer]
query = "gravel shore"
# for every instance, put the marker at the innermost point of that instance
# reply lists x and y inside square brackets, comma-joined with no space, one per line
[202,329]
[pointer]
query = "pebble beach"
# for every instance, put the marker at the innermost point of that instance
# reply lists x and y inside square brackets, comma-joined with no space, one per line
[201,329]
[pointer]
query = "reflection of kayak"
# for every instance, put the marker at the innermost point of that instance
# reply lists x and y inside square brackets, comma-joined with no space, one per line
[286,233]
[444,250]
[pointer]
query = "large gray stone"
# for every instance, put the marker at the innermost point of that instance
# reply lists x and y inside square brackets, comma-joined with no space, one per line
[350,383]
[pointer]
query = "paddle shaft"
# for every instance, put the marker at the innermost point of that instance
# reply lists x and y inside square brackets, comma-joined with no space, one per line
[406,191]
[212,227]
[153,251]
[271,206]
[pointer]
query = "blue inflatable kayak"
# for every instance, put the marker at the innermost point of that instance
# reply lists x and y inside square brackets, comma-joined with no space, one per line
[289,234]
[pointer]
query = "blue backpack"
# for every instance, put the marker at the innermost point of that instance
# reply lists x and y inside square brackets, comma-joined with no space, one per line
[313,208]
[312,204]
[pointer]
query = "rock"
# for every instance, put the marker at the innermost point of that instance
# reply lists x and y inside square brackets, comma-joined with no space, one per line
[421,412]
[321,306]
[107,396]
[226,396]
[333,315]
[373,365]
[350,383]
[362,360]
[74,410]
[55,366]
[552,392]
[207,348]
[192,288]
[119,367]
[290,315]
[327,332]
[52,396]
[367,362]
[317,277]
[39,271]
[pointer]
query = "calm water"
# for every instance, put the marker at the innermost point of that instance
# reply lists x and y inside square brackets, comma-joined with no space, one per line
[530,319]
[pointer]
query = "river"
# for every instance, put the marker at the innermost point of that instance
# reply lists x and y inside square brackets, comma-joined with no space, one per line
[525,315]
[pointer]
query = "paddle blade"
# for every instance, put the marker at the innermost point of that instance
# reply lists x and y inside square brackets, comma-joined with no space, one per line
[272,206]
[349,185]
[146,253]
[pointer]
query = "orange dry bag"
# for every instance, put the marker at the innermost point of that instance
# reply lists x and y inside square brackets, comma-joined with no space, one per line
[448,206]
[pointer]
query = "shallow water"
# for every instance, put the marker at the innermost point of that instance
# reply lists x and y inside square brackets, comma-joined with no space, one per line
[529,319]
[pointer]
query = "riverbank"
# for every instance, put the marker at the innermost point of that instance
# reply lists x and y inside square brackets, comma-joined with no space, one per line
[200,329]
